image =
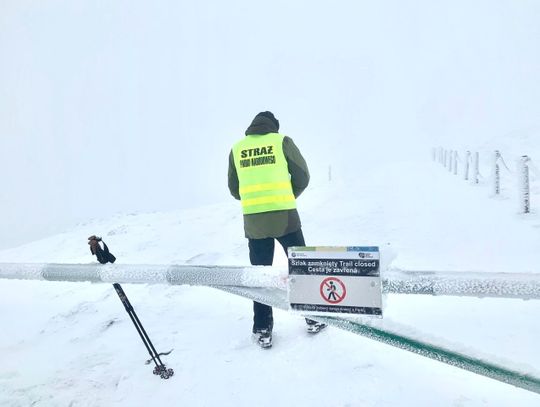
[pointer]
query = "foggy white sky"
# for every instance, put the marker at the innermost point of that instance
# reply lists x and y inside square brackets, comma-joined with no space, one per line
[112,106]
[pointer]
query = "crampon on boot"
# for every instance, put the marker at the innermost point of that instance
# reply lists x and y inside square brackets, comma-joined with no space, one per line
[264,338]
[315,328]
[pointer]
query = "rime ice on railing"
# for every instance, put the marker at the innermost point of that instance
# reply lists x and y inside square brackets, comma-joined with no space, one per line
[470,284]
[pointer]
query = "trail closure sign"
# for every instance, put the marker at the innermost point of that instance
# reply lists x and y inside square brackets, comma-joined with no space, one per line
[330,280]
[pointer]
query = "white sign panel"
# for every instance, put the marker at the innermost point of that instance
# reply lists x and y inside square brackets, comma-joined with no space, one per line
[334,280]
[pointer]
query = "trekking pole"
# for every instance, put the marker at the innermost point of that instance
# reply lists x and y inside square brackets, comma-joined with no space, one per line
[160,368]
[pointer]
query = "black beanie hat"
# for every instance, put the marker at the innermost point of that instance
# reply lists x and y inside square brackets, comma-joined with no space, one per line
[270,116]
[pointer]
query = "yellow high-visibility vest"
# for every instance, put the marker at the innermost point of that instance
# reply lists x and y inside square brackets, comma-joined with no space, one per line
[263,174]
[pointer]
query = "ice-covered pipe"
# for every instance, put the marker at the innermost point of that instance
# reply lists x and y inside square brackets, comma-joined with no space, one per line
[468,284]
[407,338]
[252,276]
[463,284]
[268,285]
[441,353]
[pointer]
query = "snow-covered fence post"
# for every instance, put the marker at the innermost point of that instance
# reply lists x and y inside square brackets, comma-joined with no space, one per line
[440,155]
[445,158]
[496,173]
[525,190]
[455,162]
[329,173]
[476,167]
[450,160]
[467,161]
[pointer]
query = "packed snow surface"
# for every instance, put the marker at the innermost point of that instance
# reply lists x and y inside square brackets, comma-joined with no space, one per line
[72,344]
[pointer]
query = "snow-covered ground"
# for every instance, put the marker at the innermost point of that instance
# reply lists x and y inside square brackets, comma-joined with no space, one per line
[72,344]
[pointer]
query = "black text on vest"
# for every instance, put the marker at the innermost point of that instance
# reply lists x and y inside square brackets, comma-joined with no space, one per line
[257,156]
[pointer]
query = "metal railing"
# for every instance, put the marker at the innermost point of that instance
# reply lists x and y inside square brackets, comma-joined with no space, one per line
[450,160]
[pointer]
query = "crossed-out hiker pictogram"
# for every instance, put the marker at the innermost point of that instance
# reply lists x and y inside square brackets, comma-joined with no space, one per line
[333,290]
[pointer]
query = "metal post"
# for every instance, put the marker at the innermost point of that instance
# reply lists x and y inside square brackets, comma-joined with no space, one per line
[496,173]
[467,161]
[450,160]
[455,162]
[525,189]
[476,165]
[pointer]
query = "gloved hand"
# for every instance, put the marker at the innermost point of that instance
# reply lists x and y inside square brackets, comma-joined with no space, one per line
[93,241]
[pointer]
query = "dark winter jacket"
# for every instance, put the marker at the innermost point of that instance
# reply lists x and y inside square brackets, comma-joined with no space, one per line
[276,223]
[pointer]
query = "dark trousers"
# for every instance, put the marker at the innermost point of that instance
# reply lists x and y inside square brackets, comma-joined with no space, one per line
[261,253]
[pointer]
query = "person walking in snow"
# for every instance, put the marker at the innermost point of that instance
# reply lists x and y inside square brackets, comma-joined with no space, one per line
[267,173]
